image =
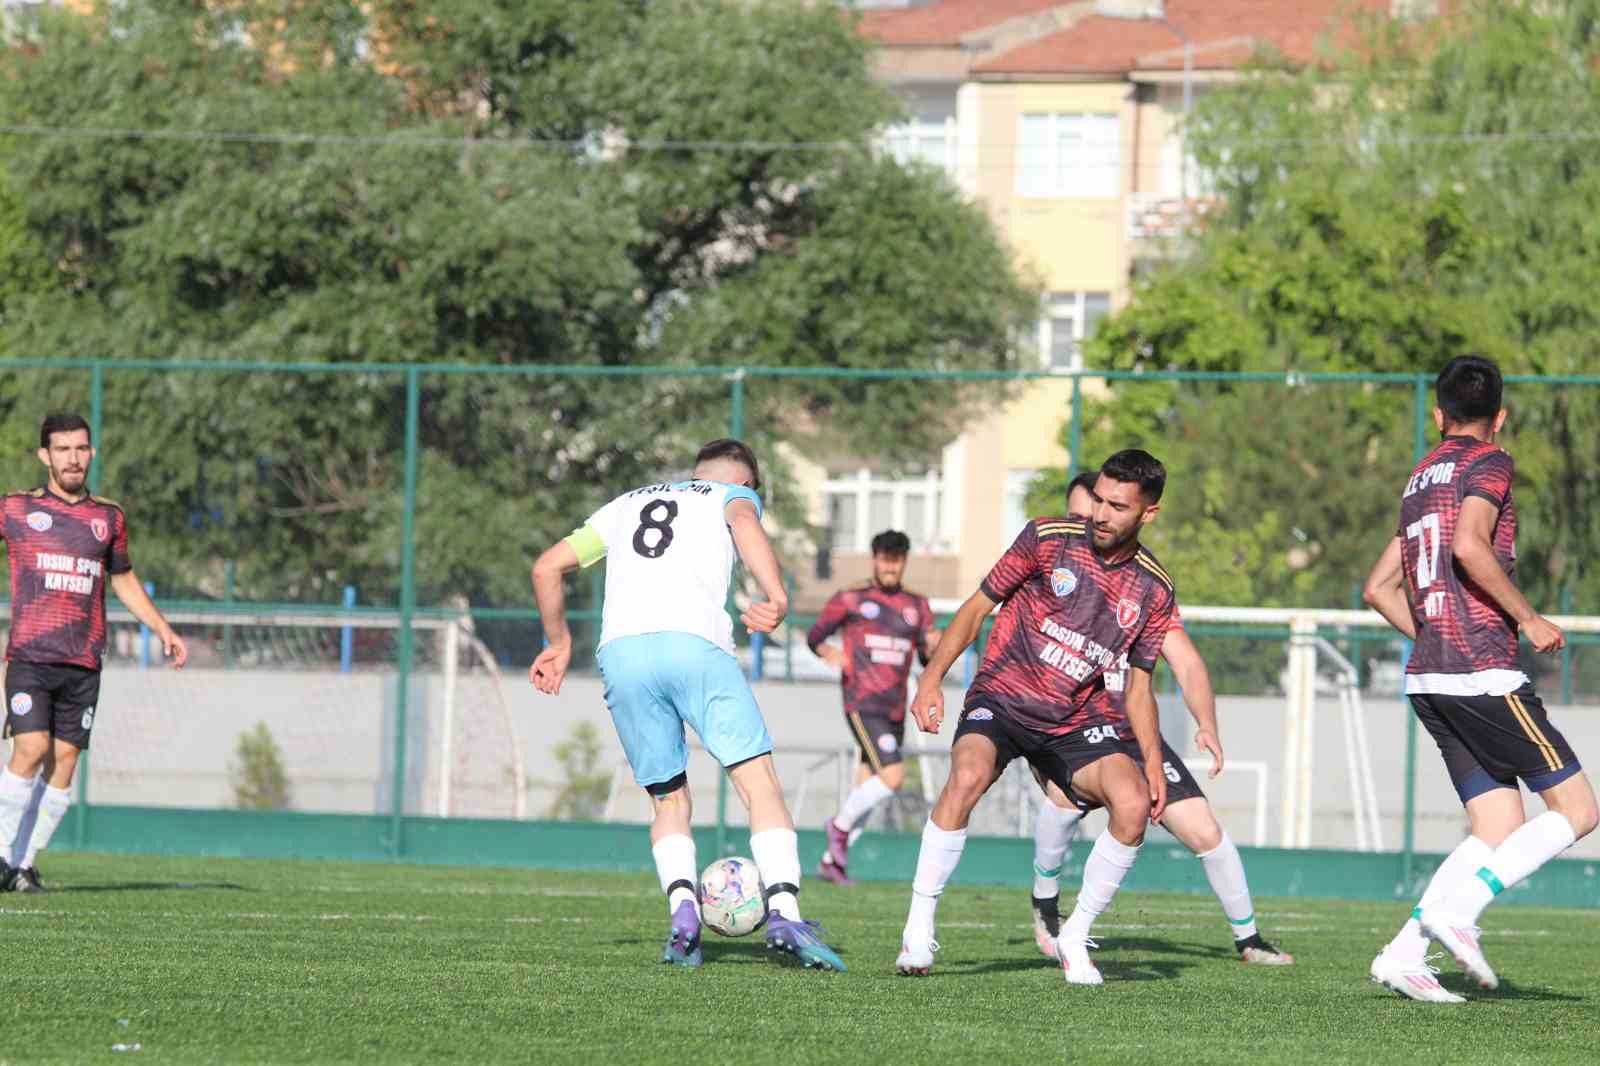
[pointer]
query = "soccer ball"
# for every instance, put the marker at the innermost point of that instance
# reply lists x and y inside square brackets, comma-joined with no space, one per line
[732,898]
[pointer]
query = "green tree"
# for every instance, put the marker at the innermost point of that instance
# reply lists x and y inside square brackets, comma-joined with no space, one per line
[515,182]
[586,784]
[259,780]
[1431,191]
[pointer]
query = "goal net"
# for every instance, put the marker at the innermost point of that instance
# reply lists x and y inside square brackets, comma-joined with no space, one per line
[296,709]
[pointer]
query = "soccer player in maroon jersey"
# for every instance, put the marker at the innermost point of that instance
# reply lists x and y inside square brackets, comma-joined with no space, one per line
[1448,581]
[64,547]
[1074,598]
[883,623]
[1189,816]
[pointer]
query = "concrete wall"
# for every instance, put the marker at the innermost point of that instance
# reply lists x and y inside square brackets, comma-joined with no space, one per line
[166,739]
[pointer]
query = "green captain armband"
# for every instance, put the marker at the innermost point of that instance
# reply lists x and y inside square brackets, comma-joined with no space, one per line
[587,543]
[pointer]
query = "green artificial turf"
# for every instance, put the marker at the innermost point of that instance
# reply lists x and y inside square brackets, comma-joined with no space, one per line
[236,961]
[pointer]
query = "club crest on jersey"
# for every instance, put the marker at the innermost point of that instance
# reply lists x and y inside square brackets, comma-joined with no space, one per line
[1127,613]
[887,744]
[869,609]
[21,704]
[910,615]
[1063,581]
[39,521]
[88,718]
[99,528]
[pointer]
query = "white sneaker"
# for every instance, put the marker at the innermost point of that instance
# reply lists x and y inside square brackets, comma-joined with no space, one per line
[1412,979]
[1460,939]
[1076,966]
[916,957]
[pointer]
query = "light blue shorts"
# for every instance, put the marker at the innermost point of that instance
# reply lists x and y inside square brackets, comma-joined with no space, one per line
[656,683]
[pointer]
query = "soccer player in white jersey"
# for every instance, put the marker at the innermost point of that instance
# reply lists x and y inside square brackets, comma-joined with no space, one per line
[666,656]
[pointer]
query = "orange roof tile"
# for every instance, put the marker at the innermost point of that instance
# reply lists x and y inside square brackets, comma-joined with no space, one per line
[945,22]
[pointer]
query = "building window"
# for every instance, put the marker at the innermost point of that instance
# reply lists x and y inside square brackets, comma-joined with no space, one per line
[930,140]
[1069,319]
[861,505]
[1070,156]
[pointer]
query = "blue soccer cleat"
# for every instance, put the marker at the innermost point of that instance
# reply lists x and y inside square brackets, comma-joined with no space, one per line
[803,940]
[683,944]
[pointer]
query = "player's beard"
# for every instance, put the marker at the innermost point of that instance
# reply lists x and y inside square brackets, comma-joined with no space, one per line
[884,585]
[70,481]
[1117,544]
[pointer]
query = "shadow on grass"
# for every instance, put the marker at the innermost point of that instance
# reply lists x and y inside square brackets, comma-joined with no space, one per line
[1512,993]
[152,886]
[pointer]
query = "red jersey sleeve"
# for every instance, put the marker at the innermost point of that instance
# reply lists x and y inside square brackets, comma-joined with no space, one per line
[828,622]
[1020,562]
[120,563]
[1147,646]
[1490,477]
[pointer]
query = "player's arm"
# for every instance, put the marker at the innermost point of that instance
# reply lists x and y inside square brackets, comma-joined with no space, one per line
[827,623]
[1194,681]
[131,592]
[1474,550]
[928,704]
[744,522]
[1385,590]
[582,547]
[1139,699]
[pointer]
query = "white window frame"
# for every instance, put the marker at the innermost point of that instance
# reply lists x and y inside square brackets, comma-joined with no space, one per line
[1096,169]
[1072,305]
[903,141]
[863,484]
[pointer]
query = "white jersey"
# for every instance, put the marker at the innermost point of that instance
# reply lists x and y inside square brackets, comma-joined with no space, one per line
[669,558]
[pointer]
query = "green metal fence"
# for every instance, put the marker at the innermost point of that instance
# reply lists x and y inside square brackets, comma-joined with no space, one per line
[414,425]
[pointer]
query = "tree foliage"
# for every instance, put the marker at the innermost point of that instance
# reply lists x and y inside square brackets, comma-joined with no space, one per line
[1435,190]
[515,182]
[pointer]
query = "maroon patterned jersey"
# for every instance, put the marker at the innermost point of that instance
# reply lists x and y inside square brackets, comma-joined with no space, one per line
[1460,629]
[1117,676]
[1067,618]
[60,553]
[881,630]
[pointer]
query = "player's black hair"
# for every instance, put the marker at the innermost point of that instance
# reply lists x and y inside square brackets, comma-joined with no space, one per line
[1469,390]
[1139,467]
[60,422]
[738,450]
[891,542]
[1085,480]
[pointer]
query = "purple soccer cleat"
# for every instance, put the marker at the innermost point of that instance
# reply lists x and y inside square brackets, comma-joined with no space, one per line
[683,944]
[838,845]
[803,940]
[829,870]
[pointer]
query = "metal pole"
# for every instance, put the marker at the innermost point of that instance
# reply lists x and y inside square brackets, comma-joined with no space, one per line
[736,406]
[1419,448]
[1566,651]
[347,634]
[97,403]
[1075,432]
[736,431]
[228,578]
[408,607]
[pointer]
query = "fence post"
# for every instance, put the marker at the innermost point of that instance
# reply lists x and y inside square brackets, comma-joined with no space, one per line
[408,608]
[228,578]
[97,403]
[1566,651]
[736,431]
[1419,448]
[346,633]
[1075,432]
[144,631]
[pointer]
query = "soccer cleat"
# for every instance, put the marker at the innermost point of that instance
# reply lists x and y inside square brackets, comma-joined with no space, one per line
[1413,979]
[8,876]
[829,870]
[1046,924]
[916,957]
[1254,949]
[683,943]
[838,845]
[1461,941]
[26,879]
[802,939]
[1076,966]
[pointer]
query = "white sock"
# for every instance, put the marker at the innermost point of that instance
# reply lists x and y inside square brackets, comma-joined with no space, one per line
[1225,870]
[1470,855]
[52,808]
[15,792]
[862,799]
[1052,834]
[1107,865]
[675,863]
[1530,847]
[777,855]
[936,861]
[29,817]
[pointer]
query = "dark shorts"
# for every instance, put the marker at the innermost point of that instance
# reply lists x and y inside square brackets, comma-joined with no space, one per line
[879,737]
[1053,756]
[59,700]
[1181,784]
[1490,742]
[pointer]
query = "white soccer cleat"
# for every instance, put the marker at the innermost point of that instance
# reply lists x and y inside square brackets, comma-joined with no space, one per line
[1460,939]
[1076,966]
[1046,925]
[916,957]
[1412,979]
